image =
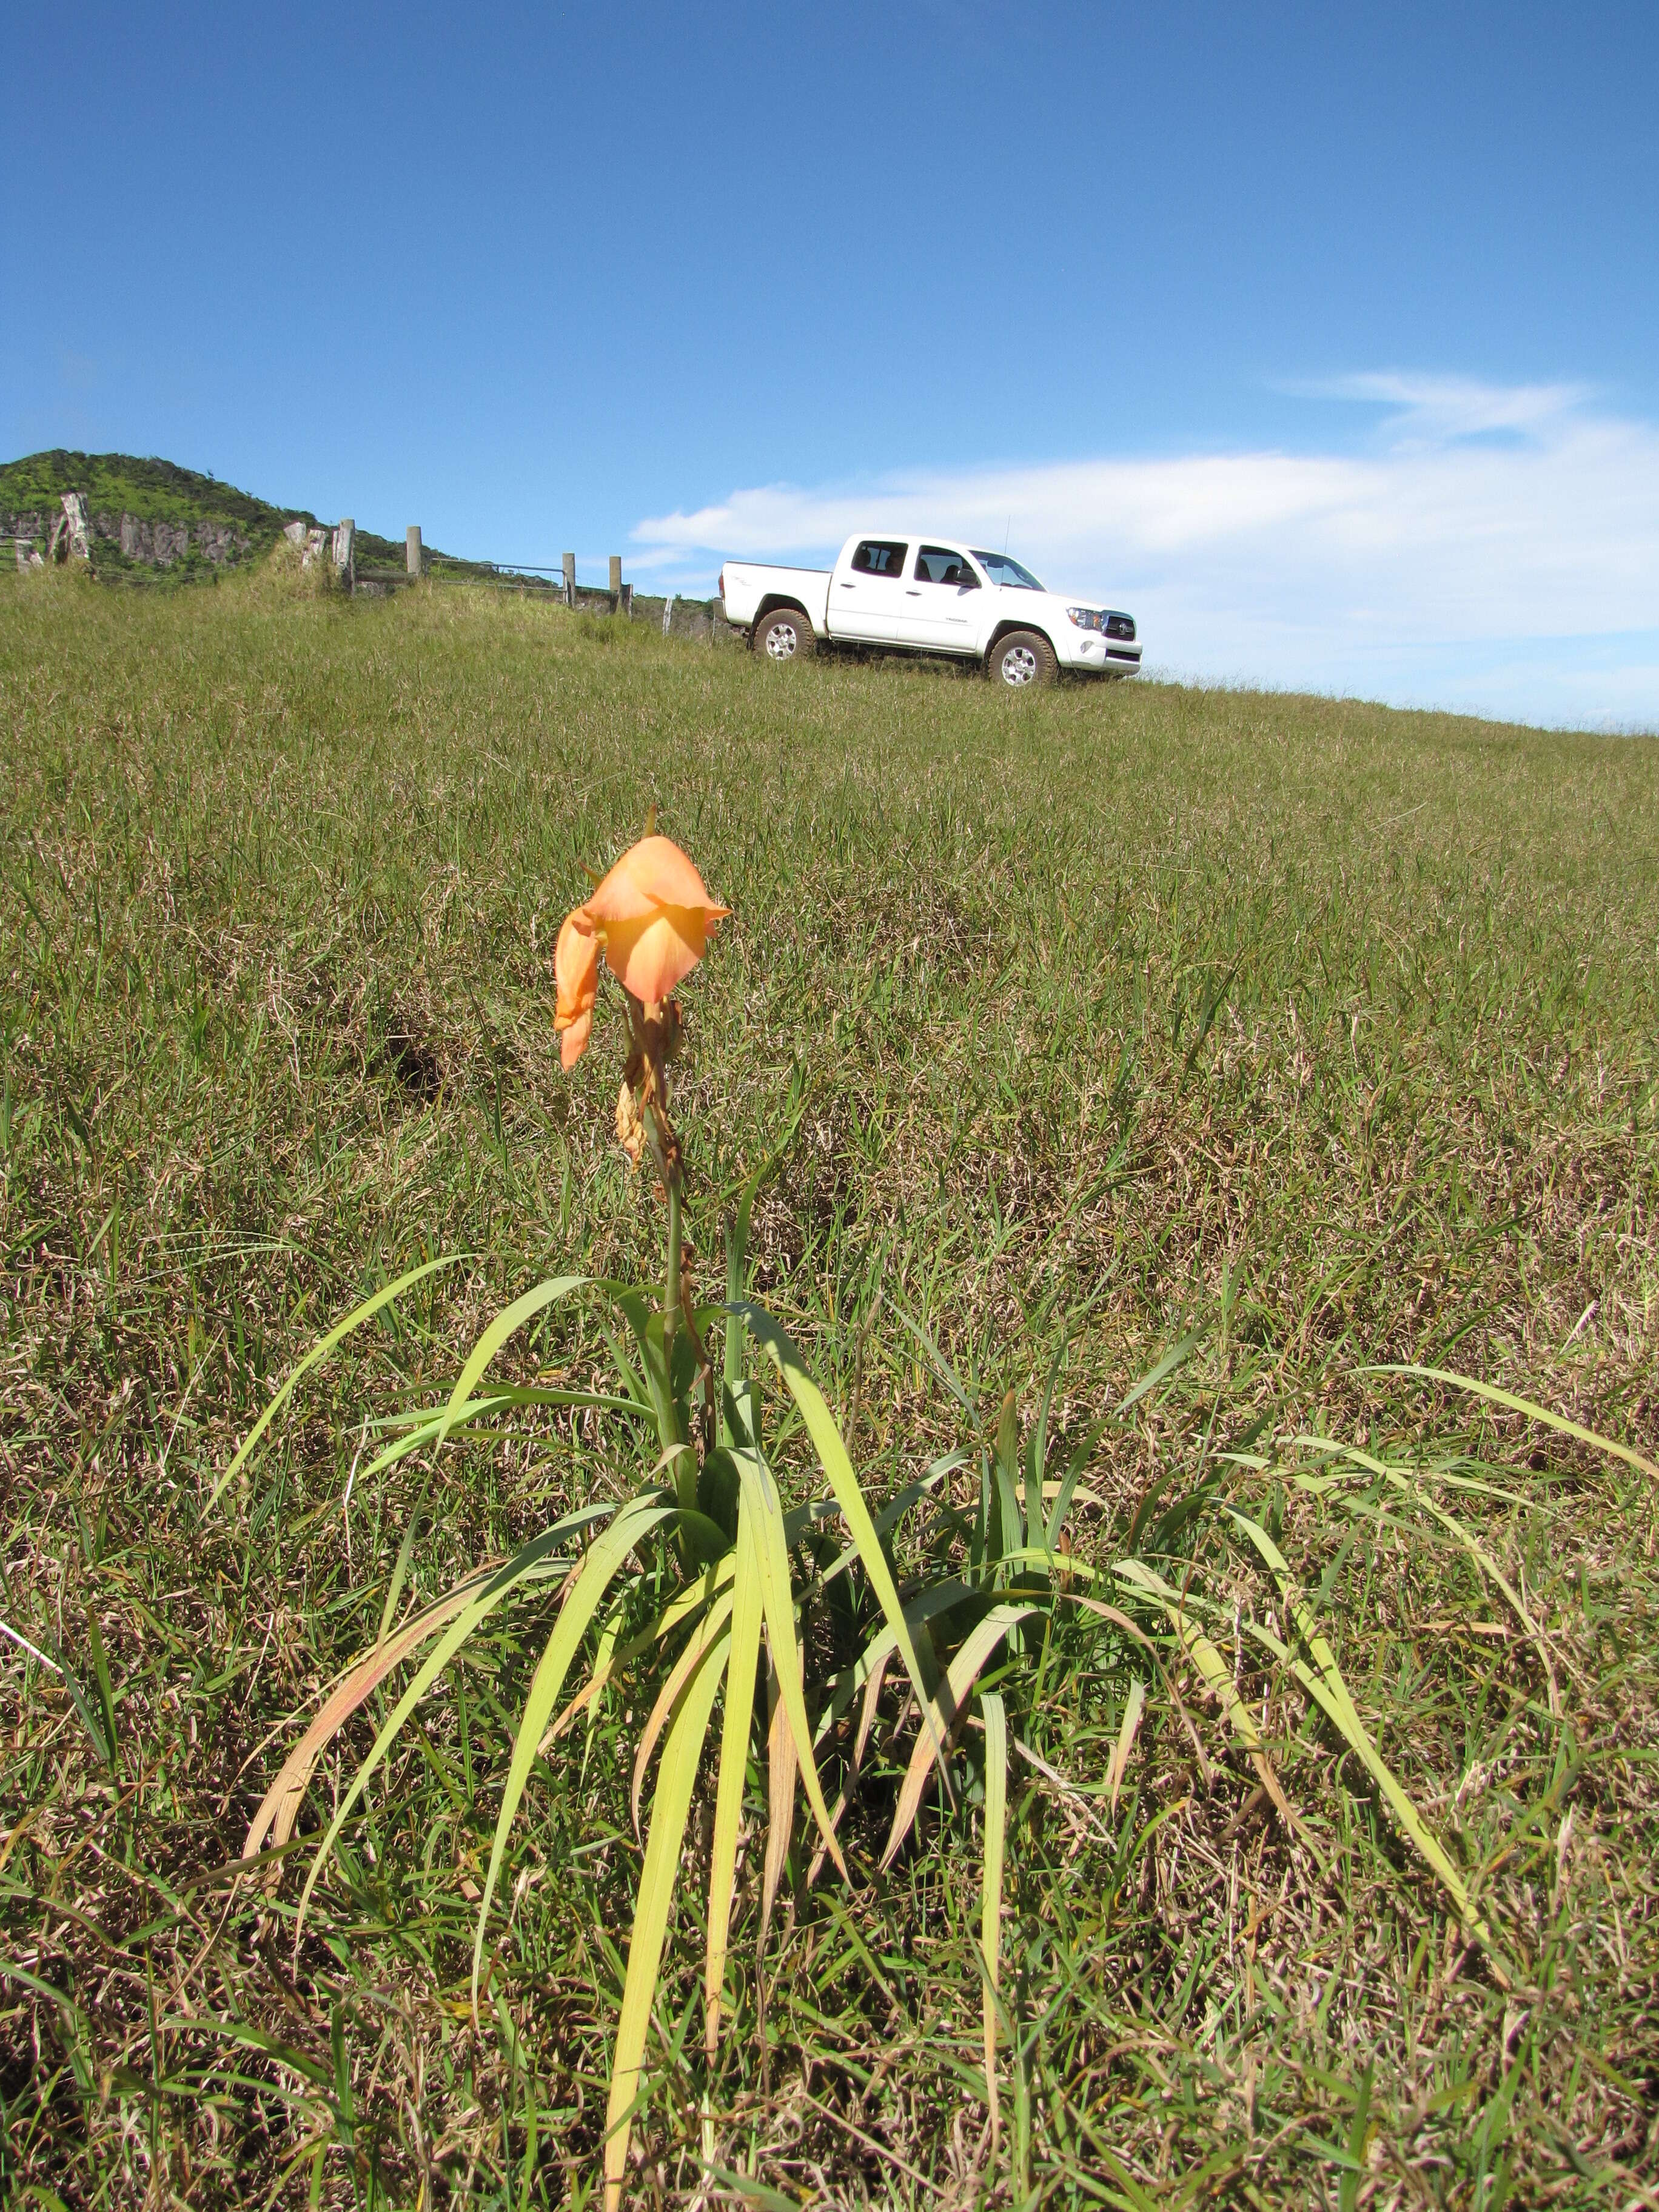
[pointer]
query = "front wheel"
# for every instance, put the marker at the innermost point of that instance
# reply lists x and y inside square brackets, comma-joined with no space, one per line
[1021,660]
[786,634]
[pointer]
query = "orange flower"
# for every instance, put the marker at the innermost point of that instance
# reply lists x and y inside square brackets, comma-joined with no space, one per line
[576,971]
[652,915]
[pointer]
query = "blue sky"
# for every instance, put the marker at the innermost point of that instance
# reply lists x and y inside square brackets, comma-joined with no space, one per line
[1325,339]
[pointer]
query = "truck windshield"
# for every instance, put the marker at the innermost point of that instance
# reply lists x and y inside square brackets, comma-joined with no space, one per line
[1002,570]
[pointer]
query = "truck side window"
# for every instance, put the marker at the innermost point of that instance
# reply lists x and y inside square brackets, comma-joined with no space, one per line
[937,565]
[879,557]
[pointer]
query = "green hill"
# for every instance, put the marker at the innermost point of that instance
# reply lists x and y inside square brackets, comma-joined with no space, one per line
[153,518]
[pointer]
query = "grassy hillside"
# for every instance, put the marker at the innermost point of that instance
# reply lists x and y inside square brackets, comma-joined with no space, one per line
[1324,1035]
[118,483]
[160,491]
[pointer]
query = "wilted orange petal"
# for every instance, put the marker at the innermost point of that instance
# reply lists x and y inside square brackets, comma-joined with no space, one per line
[575,967]
[573,1042]
[576,971]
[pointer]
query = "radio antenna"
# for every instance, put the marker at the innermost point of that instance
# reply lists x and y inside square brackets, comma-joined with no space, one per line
[1006,532]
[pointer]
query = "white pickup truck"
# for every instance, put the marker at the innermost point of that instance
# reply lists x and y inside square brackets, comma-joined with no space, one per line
[928,595]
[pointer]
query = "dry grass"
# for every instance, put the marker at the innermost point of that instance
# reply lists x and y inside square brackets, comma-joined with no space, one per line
[1325,1032]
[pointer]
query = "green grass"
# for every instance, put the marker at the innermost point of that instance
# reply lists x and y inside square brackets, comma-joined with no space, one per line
[1327,1033]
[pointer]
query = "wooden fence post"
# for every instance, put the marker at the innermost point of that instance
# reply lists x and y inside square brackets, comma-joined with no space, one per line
[615,583]
[570,579]
[413,549]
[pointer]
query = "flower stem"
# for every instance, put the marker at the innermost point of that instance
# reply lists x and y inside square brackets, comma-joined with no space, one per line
[685,1465]
[671,1300]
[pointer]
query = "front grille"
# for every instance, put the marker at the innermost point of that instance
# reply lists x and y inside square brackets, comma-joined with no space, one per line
[1120,626]
[1111,655]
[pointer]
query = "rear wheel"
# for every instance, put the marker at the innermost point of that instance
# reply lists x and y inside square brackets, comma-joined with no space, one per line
[786,634]
[1021,660]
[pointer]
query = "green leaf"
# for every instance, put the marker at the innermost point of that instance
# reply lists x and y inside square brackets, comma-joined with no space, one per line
[1533,1412]
[710,1629]
[676,1777]
[747,1610]
[960,1677]
[319,1351]
[996,1821]
[763,1509]
[838,1470]
[105,1696]
[498,1584]
[1324,1683]
[1175,1356]
[598,1570]
[507,1323]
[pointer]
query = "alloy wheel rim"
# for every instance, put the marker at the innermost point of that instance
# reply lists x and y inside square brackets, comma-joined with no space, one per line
[780,641]
[1019,666]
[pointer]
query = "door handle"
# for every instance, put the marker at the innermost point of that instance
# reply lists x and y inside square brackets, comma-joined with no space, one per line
[913,594]
[849,587]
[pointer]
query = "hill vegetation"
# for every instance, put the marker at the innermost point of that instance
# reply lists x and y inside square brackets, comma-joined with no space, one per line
[155,490]
[151,491]
[1253,1044]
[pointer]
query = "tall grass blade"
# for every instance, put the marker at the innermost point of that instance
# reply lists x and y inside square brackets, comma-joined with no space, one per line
[996,1822]
[318,1352]
[1212,1672]
[635,1521]
[280,1806]
[780,1804]
[676,1777]
[1323,1680]
[709,1630]
[1533,1412]
[740,1670]
[959,1678]
[507,1323]
[1134,1705]
[761,1502]
[523,1566]
[106,1694]
[1177,1356]
[844,1484]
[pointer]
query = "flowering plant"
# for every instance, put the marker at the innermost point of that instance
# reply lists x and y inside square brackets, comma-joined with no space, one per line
[694,1587]
[722,1514]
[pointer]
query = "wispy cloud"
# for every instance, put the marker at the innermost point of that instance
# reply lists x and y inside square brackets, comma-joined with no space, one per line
[1434,409]
[1469,516]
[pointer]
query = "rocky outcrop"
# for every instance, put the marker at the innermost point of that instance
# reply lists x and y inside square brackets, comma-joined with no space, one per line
[70,539]
[141,537]
[163,542]
[312,545]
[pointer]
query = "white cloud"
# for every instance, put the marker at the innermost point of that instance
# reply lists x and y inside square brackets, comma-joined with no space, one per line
[1475,517]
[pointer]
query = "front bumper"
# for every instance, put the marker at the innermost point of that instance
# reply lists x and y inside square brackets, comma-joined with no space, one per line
[1106,656]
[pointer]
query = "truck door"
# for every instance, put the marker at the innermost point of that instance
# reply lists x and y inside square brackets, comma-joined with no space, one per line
[867,595]
[941,606]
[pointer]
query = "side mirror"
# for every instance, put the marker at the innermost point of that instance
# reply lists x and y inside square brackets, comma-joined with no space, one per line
[971,583]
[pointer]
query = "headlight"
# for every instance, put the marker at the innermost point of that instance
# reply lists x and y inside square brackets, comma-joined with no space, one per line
[1086,617]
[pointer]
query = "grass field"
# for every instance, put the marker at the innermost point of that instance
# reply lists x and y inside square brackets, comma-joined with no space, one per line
[1326,1034]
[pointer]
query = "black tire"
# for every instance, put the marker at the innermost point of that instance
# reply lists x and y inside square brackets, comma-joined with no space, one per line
[1021,660]
[785,634]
